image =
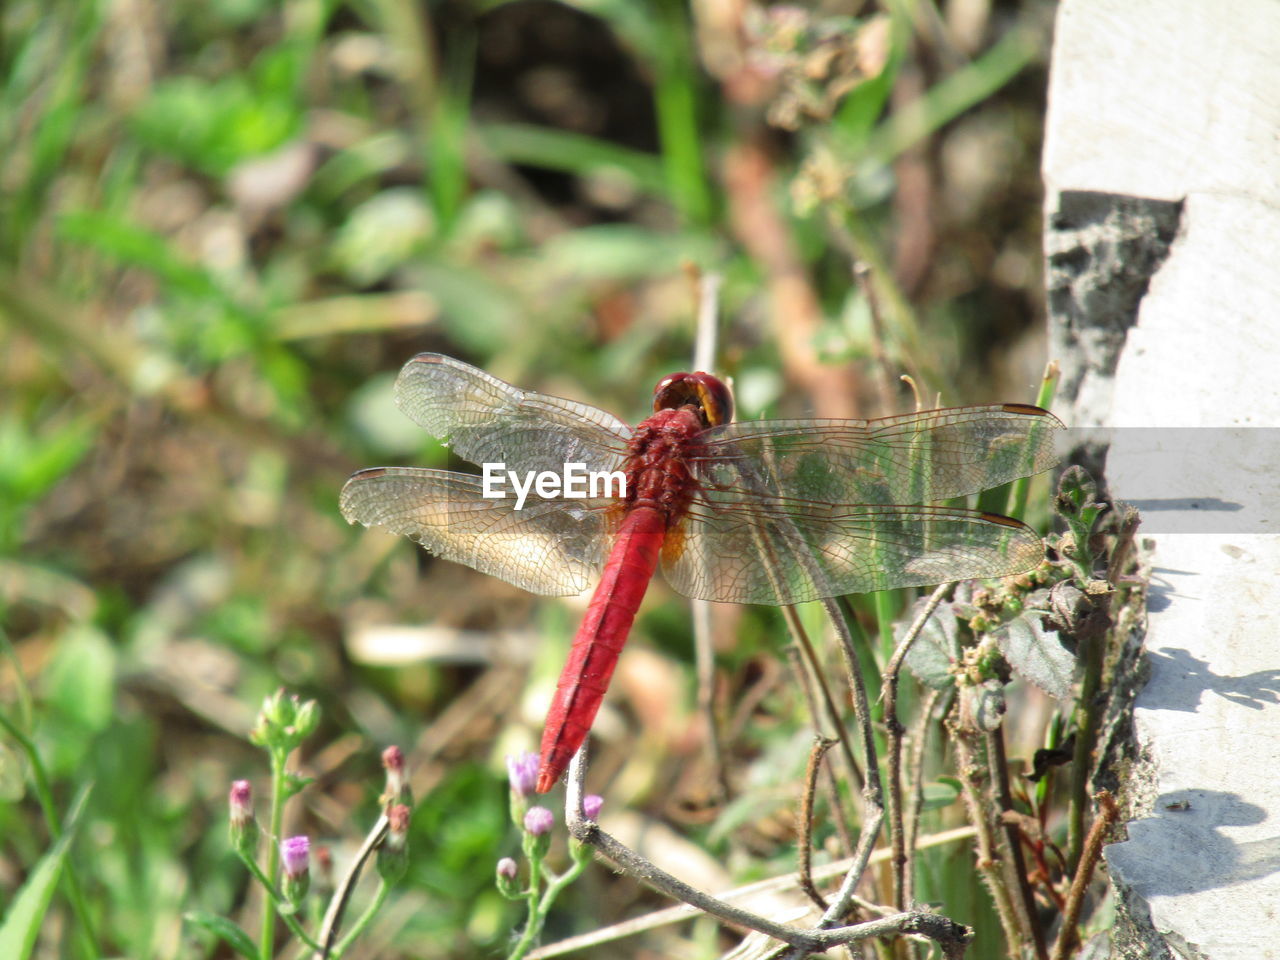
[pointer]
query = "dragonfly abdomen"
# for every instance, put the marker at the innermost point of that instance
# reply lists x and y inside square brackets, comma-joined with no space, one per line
[600,639]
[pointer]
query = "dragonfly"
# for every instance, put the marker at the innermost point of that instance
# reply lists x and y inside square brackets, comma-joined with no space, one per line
[760,511]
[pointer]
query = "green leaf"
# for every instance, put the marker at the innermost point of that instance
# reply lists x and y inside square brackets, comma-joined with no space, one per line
[941,793]
[27,910]
[225,930]
[1036,654]
[930,656]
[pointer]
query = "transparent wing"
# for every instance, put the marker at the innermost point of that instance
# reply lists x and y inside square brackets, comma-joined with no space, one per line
[486,420]
[785,551]
[914,458]
[550,547]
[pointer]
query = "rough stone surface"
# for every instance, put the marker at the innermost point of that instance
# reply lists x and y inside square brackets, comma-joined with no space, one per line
[1159,106]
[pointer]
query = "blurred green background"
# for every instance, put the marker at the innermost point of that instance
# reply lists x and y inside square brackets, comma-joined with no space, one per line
[225,226]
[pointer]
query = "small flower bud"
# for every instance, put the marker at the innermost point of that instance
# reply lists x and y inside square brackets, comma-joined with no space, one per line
[591,805]
[397,789]
[393,855]
[522,770]
[284,721]
[306,719]
[280,708]
[244,829]
[506,876]
[538,822]
[295,855]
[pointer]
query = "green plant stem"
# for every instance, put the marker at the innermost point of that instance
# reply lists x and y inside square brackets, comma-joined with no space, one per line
[1081,761]
[279,758]
[282,906]
[538,908]
[365,919]
[71,881]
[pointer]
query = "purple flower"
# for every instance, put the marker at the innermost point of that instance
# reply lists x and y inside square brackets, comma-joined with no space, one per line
[539,820]
[591,805]
[294,852]
[507,868]
[522,770]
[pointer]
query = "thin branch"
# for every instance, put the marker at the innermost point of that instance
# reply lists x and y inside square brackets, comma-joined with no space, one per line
[1084,873]
[1028,916]
[832,786]
[837,726]
[328,933]
[787,881]
[951,936]
[805,842]
[975,777]
[935,707]
[889,691]
[704,355]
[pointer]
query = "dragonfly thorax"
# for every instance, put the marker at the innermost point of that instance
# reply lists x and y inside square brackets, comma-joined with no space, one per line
[657,469]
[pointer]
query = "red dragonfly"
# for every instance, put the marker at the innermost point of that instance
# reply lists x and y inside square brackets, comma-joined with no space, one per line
[766,511]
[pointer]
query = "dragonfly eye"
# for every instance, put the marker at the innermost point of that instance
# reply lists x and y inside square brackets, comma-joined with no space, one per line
[709,397]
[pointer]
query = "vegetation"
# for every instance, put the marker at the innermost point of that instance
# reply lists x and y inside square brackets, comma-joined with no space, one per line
[224,227]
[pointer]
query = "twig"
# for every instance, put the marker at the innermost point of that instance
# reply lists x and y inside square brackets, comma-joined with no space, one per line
[872,793]
[1028,917]
[805,843]
[1080,882]
[786,881]
[328,932]
[951,936]
[704,355]
[837,727]
[975,777]
[889,692]
[834,800]
[919,741]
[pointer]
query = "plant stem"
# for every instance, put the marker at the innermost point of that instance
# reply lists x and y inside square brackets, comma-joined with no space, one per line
[1080,882]
[1086,733]
[280,904]
[365,919]
[1028,918]
[266,946]
[328,931]
[893,751]
[975,776]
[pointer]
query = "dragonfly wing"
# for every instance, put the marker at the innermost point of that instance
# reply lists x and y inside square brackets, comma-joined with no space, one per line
[550,547]
[487,420]
[779,551]
[914,458]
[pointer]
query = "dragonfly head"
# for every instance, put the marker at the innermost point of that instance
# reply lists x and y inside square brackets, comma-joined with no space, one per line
[709,397]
